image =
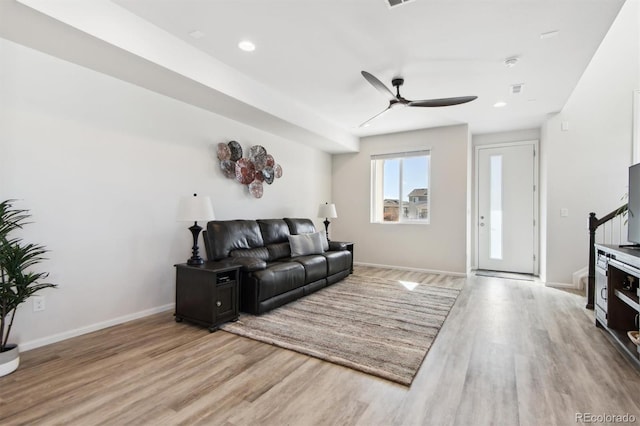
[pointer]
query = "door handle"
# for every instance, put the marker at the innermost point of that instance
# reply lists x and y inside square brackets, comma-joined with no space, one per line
[603,293]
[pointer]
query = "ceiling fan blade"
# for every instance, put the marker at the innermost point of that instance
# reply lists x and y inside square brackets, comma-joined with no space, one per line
[375,116]
[442,102]
[378,85]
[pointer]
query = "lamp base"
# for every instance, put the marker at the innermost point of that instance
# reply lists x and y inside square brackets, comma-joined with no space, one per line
[195,261]
[326,227]
[195,257]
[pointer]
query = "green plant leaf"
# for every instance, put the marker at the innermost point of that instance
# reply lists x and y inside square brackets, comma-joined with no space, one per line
[18,280]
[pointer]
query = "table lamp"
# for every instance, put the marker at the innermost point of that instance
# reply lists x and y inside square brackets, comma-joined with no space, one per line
[327,211]
[193,209]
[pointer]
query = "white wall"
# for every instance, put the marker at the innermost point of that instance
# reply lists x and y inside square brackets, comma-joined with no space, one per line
[586,166]
[101,164]
[506,137]
[439,246]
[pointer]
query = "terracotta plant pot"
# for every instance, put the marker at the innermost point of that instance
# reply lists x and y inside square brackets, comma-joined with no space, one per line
[9,360]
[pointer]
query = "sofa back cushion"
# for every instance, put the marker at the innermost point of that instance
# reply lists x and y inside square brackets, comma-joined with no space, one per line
[279,251]
[274,231]
[225,236]
[300,226]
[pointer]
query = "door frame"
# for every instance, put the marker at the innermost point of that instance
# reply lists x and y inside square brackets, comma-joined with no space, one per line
[536,198]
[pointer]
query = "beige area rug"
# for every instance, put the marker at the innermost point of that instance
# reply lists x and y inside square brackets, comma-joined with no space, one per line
[380,326]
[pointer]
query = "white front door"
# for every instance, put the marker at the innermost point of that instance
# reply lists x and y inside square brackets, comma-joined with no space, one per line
[507,208]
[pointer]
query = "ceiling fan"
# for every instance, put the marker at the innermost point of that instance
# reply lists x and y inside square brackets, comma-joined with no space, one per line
[397,100]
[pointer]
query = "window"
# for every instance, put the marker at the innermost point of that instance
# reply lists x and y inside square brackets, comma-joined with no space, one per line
[400,187]
[495,201]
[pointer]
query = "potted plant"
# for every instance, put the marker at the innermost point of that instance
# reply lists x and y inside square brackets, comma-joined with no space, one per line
[17,279]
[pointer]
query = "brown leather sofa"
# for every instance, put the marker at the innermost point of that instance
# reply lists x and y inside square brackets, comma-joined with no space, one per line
[270,277]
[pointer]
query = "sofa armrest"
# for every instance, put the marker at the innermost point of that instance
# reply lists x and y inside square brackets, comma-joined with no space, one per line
[337,245]
[249,264]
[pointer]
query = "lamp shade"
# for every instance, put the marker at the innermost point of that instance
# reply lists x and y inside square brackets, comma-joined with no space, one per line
[193,209]
[327,210]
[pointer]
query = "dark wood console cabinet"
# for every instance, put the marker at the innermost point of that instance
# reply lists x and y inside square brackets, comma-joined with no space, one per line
[617,297]
[208,294]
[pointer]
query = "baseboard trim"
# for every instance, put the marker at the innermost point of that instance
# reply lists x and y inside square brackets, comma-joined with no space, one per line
[27,346]
[406,268]
[561,285]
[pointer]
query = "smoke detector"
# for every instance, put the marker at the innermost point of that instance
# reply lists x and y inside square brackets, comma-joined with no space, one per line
[516,89]
[395,3]
[511,62]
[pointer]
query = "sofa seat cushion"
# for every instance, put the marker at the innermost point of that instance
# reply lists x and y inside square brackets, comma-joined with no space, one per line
[315,267]
[337,261]
[278,278]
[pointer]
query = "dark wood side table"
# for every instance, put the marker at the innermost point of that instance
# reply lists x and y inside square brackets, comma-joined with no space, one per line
[207,294]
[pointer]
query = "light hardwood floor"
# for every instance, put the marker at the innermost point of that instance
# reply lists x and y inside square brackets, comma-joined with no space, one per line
[510,353]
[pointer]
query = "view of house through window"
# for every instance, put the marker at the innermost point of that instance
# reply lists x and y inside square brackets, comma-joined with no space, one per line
[400,187]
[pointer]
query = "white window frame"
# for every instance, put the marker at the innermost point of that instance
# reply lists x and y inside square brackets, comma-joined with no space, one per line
[377,187]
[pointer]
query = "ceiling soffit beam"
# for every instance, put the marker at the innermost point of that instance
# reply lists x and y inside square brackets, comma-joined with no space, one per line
[39,31]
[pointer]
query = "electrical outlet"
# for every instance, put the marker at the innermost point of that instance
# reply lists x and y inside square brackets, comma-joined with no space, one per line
[38,303]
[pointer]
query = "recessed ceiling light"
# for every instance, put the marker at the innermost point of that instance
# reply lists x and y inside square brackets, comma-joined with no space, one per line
[549,34]
[247,46]
[196,34]
[500,104]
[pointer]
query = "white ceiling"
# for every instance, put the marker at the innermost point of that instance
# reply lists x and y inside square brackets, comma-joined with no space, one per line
[313,51]
[306,69]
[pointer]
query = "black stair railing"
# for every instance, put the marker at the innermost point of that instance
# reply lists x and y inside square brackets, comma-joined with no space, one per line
[594,224]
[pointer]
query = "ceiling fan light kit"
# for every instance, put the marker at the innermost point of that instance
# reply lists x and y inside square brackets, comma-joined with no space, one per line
[397,99]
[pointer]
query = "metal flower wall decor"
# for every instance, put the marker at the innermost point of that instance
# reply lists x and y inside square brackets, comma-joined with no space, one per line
[254,170]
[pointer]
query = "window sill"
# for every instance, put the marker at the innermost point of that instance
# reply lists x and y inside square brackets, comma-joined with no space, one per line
[409,222]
